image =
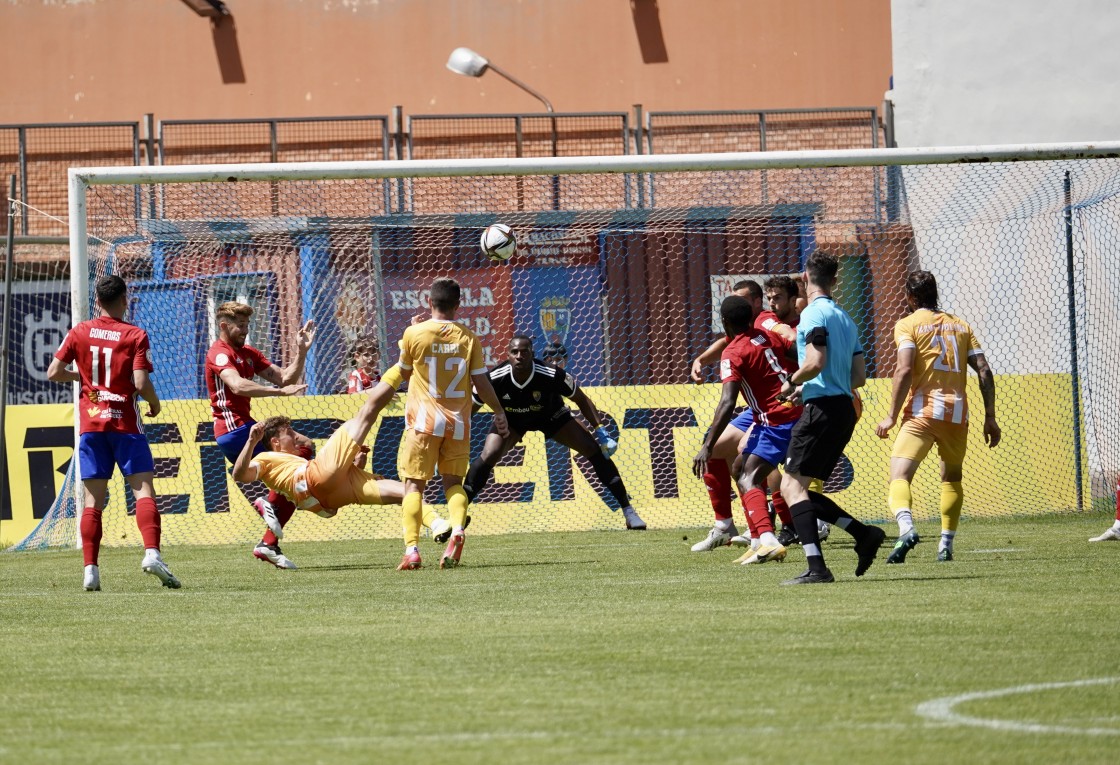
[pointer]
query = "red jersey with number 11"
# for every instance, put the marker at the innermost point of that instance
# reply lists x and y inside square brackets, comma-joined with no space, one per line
[105,351]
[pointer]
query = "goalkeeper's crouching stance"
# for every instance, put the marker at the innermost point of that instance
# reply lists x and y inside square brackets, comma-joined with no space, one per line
[336,476]
[532,393]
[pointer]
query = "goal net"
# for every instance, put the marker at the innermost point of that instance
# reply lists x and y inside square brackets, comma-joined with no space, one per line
[621,265]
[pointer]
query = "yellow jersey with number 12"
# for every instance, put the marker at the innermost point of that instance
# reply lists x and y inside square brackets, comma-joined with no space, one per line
[442,356]
[942,345]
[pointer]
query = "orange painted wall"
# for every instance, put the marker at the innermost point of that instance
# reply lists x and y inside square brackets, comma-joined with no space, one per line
[86,60]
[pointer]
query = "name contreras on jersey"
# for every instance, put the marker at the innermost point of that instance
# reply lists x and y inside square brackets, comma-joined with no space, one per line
[104,334]
[937,328]
[400,300]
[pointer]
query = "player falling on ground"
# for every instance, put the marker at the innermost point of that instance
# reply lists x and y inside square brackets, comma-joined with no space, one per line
[530,392]
[332,479]
[231,364]
[831,366]
[752,364]
[935,350]
[717,479]
[441,359]
[113,362]
[1112,533]
[367,366]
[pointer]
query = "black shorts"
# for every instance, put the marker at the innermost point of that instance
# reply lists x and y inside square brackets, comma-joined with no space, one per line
[546,422]
[819,437]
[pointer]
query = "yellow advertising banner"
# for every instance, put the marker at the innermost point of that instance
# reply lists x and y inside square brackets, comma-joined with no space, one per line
[659,429]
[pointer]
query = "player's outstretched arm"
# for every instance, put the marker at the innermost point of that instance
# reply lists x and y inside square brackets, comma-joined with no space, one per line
[992,432]
[57,372]
[243,469]
[293,373]
[720,420]
[490,398]
[146,389]
[591,414]
[710,356]
[900,386]
[816,357]
[252,389]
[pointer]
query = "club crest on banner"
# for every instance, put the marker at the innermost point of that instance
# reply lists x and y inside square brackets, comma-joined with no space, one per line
[556,318]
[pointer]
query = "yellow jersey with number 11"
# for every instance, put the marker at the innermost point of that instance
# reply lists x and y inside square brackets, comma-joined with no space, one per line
[442,356]
[942,345]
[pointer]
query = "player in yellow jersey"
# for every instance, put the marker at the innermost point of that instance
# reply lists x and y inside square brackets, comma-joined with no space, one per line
[441,359]
[335,477]
[934,350]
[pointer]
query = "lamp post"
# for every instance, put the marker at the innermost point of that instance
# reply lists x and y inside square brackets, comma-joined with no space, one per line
[468,63]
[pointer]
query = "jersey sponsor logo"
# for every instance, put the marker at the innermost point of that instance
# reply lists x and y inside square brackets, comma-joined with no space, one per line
[505,397]
[221,359]
[97,396]
[97,333]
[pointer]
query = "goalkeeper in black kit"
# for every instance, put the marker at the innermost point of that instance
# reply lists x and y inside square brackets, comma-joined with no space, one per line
[530,391]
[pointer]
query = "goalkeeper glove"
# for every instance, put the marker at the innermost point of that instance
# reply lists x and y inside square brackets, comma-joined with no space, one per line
[606,443]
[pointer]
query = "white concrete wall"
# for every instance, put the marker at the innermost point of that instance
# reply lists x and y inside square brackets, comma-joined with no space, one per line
[972,72]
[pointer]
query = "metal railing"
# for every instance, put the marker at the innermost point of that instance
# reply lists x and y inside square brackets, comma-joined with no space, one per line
[39,154]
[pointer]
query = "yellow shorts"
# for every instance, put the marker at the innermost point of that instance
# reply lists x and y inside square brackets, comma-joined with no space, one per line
[423,452]
[334,479]
[917,436]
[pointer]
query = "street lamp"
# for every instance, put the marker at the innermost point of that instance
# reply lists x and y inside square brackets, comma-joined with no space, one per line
[466,62]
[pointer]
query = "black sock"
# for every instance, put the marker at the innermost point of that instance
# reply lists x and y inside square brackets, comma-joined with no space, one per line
[830,512]
[805,521]
[477,476]
[608,474]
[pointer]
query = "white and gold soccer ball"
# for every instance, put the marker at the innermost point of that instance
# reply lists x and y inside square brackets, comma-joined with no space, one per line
[498,242]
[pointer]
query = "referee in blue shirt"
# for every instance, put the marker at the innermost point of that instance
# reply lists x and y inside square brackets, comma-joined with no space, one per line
[831,365]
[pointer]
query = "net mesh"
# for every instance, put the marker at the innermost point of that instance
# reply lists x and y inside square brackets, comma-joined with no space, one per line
[624,271]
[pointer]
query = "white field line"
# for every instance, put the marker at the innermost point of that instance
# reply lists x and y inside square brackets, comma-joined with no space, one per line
[941,710]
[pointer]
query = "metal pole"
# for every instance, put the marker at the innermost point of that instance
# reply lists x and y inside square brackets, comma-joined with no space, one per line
[9,259]
[1075,378]
[79,311]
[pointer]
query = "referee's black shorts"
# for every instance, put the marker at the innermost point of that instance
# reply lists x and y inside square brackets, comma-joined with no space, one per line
[819,437]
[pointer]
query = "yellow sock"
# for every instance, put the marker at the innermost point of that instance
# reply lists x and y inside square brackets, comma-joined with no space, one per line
[412,510]
[457,506]
[900,495]
[816,485]
[430,516]
[952,500]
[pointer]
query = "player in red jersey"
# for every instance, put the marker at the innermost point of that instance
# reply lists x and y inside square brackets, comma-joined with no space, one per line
[367,366]
[753,364]
[231,365]
[113,361]
[780,319]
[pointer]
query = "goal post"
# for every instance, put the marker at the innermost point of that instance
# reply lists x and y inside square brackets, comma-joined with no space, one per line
[622,261]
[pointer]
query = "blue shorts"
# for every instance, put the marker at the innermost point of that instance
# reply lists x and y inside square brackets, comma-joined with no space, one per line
[744,421]
[233,442]
[99,452]
[770,442]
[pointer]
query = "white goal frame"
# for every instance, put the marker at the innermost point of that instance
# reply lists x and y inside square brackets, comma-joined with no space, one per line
[81,178]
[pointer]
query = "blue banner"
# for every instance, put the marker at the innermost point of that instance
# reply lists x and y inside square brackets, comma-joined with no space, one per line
[561,308]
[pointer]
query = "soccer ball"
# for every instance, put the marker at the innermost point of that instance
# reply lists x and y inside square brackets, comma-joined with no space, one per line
[498,242]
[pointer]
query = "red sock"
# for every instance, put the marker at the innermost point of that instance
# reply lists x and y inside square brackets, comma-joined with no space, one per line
[757,512]
[1118,500]
[91,535]
[147,520]
[285,508]
[782,509]
[718,481]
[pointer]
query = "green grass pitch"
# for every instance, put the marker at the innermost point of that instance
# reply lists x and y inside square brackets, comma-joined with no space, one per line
[608,647]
